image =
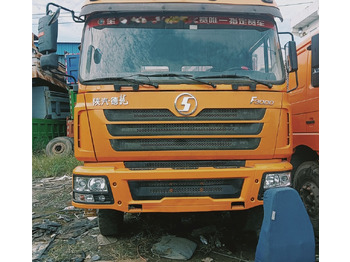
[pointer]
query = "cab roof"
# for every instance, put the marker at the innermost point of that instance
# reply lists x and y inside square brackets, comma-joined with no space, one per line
[266,7]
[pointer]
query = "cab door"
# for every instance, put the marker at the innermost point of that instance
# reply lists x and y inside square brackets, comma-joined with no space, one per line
[312,117]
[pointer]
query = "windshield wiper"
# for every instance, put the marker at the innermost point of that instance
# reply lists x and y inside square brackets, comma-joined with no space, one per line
[256,81]
[117,79]
[187,76]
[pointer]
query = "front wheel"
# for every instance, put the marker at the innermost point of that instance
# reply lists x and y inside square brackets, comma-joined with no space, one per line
[110,222]
[306,182]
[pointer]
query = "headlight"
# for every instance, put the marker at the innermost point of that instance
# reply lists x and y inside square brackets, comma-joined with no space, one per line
[80,184]
[97,184]
[277,180]
[90,184]
[92,189]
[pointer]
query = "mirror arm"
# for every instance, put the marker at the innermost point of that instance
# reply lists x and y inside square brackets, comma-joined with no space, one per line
[296,82]
[287,33]
[74,17]
[63,74]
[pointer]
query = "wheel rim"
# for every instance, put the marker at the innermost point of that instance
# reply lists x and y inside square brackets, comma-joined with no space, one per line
[59,148]
[309,193]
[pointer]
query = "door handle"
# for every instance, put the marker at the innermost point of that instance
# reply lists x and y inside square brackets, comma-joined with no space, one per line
[309,122]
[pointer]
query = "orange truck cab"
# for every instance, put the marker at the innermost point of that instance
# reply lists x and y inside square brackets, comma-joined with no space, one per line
[305,118]
[305,112]
[182,107]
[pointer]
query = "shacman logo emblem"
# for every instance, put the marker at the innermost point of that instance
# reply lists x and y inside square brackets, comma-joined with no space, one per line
[185,104]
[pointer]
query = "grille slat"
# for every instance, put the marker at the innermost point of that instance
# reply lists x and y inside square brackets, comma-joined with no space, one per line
[208,114]
[214,188]
[184,129]
[142,165]
[184,144]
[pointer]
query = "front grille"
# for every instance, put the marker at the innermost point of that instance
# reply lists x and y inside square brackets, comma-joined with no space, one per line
[214,188]
[184,129]
[142,165]
[152,134]
[185,144]
[208,114]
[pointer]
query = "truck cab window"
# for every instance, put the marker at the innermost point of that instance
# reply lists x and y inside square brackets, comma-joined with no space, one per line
[200,45]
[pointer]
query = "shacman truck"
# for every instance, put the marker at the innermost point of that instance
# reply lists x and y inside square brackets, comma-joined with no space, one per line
[305,112]
[182,105]
[305,118]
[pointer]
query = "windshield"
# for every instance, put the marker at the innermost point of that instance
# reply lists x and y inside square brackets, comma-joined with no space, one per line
[129,46]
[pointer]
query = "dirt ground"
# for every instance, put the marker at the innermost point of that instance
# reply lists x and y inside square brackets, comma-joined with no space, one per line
[63,233]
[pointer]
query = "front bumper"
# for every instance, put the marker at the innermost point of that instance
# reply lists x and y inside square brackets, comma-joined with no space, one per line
[121,179]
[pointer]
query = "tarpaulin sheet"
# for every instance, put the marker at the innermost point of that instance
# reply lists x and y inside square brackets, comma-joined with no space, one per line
[286,233]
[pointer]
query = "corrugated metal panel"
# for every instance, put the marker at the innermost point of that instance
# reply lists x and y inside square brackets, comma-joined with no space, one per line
[72,66]
[71,48]
[68,47]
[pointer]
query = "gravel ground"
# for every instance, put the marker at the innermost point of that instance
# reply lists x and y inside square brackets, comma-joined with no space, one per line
[62,233]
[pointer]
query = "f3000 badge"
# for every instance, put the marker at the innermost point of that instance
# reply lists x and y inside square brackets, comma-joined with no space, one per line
[254,100]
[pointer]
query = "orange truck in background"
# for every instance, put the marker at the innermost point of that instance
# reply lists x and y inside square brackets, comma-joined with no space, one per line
[305,111]
[182,107]
[305,119]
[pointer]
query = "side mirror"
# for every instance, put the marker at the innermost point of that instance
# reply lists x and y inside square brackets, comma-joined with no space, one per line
[315,60]
[47,44]
[49,61]
[47,34]
[291,56]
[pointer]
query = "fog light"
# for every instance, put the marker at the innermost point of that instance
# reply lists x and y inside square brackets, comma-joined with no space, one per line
[89,198]
[101,198]
[84,198]
[277,180]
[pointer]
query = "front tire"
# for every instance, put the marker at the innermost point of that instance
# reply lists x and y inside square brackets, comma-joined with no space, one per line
[306,182]
[110,222]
